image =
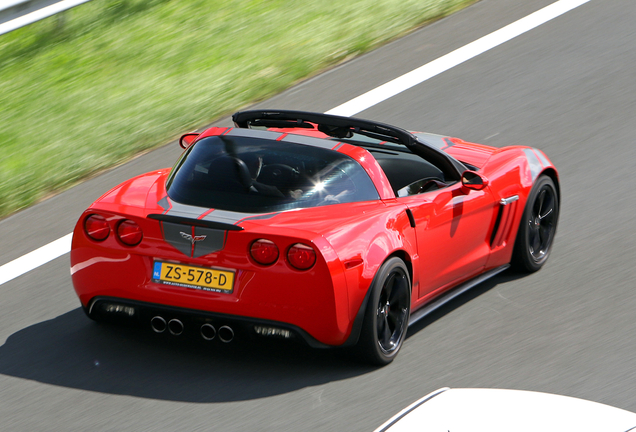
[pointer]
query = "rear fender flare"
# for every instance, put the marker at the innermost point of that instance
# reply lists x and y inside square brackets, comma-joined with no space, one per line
[357,322]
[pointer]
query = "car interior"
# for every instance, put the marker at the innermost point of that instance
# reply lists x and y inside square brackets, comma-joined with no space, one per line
[408,174]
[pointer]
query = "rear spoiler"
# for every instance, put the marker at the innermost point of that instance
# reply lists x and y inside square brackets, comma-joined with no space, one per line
[195,222]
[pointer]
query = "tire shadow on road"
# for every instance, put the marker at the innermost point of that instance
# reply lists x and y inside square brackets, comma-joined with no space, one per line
[72,351]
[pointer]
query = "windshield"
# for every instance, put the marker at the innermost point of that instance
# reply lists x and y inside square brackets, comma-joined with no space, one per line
[255,175]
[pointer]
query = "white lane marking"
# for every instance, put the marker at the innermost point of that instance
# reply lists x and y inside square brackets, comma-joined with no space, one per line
[61,246]
[38,257]
[39,14]
[454,58]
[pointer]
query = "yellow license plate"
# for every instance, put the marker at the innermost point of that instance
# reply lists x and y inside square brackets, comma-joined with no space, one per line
[202,278]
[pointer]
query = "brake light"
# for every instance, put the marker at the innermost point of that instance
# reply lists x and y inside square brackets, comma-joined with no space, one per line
[301,257]
[129,232]
[96,227]
[264,252]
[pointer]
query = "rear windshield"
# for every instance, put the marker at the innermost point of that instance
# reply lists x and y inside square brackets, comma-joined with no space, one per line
[255,175]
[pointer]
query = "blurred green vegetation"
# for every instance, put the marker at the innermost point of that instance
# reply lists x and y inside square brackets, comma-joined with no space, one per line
[111,78]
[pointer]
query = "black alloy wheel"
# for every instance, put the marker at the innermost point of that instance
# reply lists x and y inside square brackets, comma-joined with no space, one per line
[387,314]
[538,227]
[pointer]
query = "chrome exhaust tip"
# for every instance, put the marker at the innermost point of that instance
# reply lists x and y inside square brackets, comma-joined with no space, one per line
[158,324]
[175,327]
[226,334]
[208,332]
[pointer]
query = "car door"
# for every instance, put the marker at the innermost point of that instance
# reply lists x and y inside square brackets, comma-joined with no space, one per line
[452,226]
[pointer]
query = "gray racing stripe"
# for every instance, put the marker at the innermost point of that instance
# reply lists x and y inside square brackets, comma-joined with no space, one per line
[533,163]
[544,160]
[193,243]
[262,216]
[223,216]
[164,203]
[255,133]
[310,141]
[214,241]
[172,234]
[184,210]
[230,217]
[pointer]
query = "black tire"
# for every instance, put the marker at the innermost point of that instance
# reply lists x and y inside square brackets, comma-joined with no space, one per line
[537,227]
[387,314]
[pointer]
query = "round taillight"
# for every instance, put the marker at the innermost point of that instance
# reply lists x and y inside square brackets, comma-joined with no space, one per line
[264,252]
[301,256]
[96,227]
[129,233]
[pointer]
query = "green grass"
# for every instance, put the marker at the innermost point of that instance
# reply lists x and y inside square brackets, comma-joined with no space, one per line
[106,80]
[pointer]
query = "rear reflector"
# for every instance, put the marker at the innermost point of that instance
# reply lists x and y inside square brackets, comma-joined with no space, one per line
[96,227]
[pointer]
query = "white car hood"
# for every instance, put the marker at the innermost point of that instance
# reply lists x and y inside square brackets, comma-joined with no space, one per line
[494,410]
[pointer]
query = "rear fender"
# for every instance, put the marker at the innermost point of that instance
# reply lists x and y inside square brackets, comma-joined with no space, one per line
[398,240]
[356,328]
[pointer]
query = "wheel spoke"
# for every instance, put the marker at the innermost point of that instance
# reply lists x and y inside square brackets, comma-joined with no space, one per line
[545,232]
[386,334]
[394,297]
[382,324]
[548,208]
[533,231]
[396,317]
[535,242]
[388,286]
[540,202]
[391,317]
[543,216]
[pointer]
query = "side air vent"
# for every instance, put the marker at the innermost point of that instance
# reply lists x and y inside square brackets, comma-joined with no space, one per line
[503,224]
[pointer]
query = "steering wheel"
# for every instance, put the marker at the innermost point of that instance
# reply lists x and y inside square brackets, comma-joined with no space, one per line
[279,175]
[234,174]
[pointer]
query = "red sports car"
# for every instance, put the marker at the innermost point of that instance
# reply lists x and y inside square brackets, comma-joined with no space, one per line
[335,231]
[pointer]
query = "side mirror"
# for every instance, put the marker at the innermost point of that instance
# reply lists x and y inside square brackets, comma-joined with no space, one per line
[473,181]
[186,140]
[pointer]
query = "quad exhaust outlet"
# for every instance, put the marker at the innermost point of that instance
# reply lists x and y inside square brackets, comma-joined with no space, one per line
[226,334]
[208,332]
[158,324]
[175,327]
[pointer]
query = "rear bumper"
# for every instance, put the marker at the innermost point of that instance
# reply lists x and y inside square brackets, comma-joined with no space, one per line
[141,314]
[314,301]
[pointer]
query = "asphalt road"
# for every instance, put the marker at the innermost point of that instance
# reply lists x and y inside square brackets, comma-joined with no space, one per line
[566,87]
